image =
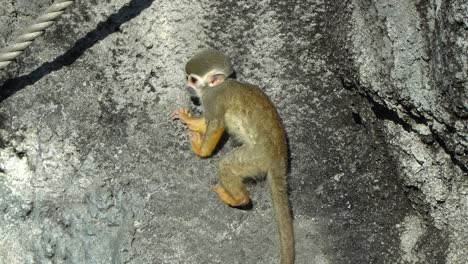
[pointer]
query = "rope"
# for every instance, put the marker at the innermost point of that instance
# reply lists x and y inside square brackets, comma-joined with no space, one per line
[8,54]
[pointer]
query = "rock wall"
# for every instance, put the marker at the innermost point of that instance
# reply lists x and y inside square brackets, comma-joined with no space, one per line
[409,62]
[372,95]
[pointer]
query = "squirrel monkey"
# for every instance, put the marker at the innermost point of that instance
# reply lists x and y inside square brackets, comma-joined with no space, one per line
[247,114]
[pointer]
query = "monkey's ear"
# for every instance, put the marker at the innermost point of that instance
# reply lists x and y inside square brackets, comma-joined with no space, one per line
[216,79]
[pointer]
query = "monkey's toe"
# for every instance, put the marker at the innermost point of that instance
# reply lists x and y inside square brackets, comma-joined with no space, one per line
[245,205]
[227,198]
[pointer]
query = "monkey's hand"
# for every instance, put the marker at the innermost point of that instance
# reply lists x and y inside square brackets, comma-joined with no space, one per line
[196,124]
[227,198]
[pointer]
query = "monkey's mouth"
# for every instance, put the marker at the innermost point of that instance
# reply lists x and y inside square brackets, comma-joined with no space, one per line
[194,97]
[195,100]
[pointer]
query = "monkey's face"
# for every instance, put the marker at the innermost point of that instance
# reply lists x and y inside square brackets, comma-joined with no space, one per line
[196,83]
[200,83]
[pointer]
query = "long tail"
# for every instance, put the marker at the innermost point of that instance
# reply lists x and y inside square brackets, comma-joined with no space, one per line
[279,194]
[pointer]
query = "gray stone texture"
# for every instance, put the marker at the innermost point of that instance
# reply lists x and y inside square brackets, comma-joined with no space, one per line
[372,93]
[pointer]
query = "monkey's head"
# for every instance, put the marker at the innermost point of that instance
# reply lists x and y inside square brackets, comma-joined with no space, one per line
[207,68]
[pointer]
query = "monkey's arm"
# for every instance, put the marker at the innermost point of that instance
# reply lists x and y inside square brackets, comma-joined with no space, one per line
[204,144]
[197,124]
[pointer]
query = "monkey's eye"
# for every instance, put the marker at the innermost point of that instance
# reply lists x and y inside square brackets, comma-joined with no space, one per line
[192,80]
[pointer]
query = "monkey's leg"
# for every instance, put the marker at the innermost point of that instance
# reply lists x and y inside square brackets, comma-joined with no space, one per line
[238,164]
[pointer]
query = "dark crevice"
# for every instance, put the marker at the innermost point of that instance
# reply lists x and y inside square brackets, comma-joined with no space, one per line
[20,154]
[455,161]
[384,113]
[419,119]
[102,30]
[357,118]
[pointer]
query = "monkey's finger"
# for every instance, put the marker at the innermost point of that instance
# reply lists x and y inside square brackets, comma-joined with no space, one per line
[173,115]
[191,135]
[194,136]
[176,114]
[186,112]
[181,113]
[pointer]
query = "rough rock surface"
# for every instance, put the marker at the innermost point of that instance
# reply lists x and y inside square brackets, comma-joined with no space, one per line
[372,93]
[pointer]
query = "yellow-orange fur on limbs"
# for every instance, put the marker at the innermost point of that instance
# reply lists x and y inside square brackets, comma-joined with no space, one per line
[247,114]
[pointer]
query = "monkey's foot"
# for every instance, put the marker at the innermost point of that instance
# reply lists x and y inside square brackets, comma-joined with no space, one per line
[228,199]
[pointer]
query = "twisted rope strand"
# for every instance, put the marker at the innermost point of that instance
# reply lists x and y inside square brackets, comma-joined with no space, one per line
[9,53]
